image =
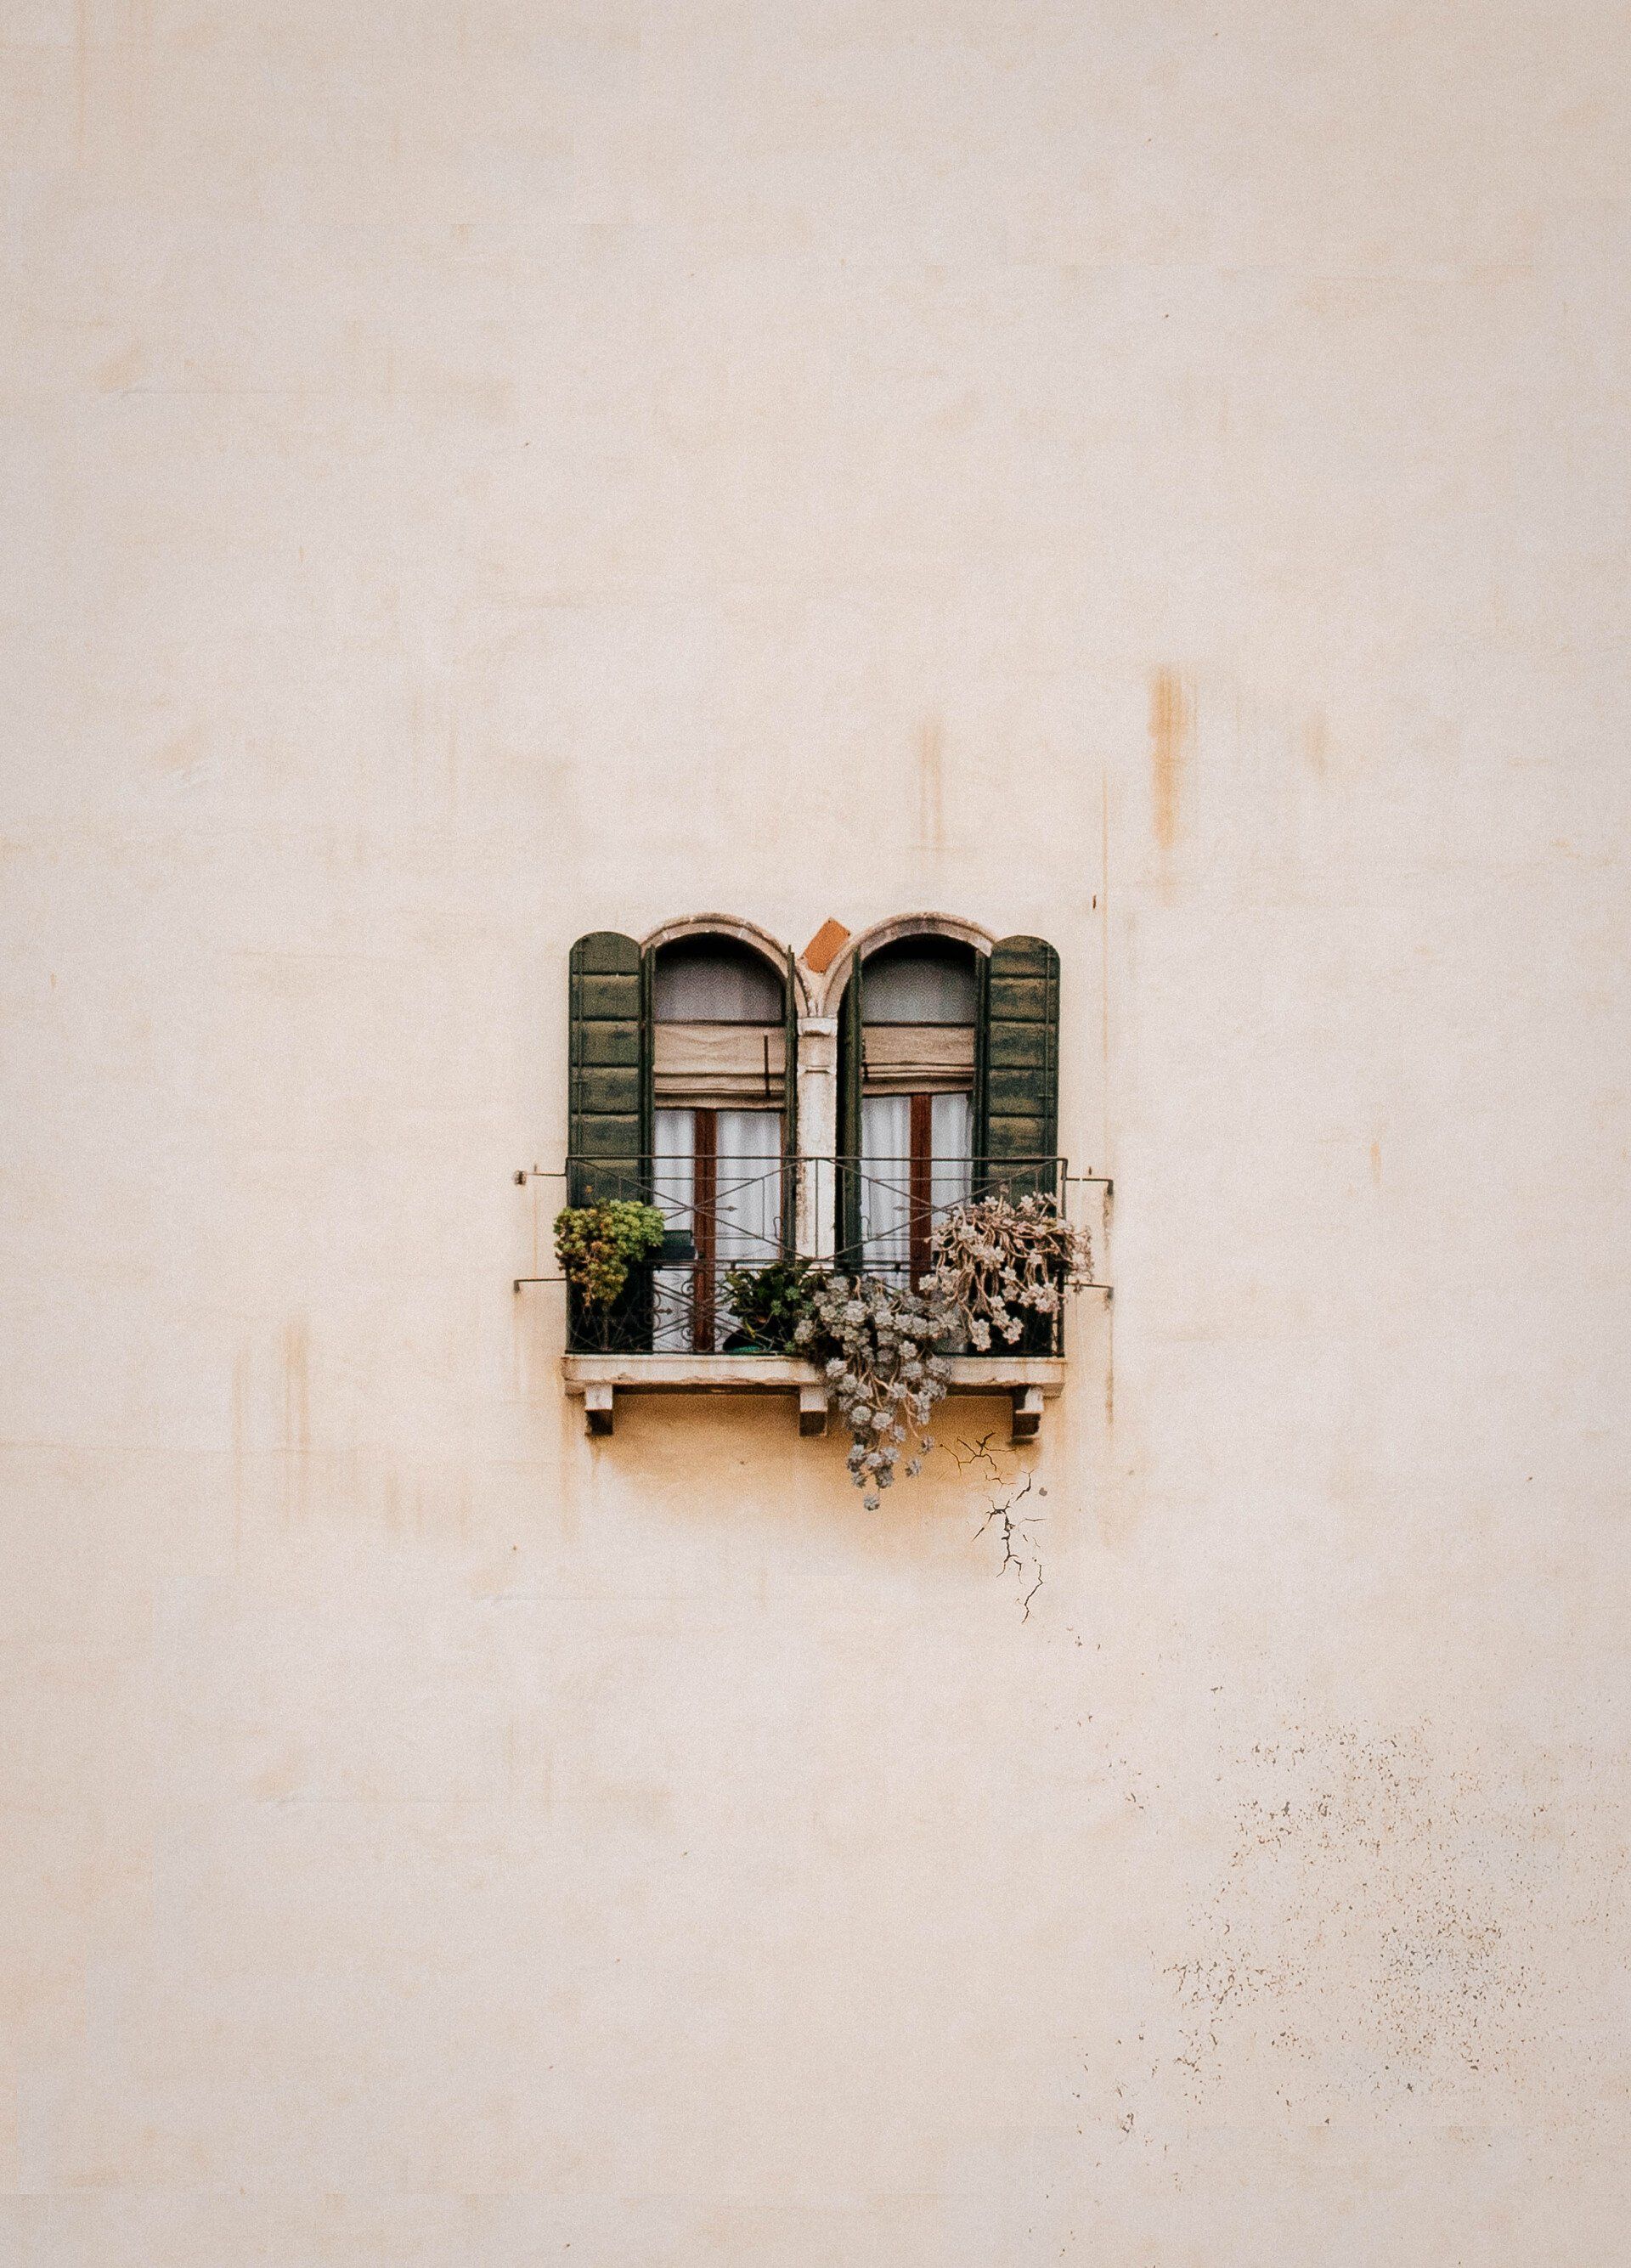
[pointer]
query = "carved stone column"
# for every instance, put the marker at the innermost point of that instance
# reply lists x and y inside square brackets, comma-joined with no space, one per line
[818,1134]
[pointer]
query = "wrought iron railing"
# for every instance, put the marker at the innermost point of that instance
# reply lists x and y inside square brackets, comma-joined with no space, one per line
[872,1216]
[719,1213]
[888,1209]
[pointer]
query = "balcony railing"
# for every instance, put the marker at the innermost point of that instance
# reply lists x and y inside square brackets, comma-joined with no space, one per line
[873,1215]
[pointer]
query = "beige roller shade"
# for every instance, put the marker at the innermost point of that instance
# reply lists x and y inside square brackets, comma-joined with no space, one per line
[917,1058]
[712,1066]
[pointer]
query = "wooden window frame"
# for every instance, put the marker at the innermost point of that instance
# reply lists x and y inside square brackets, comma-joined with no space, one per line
[919,1188]
[704,1205]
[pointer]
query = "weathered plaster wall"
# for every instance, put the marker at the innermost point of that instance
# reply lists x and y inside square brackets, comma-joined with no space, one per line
[482,471]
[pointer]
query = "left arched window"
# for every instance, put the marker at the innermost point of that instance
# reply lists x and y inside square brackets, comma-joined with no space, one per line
[682,1092]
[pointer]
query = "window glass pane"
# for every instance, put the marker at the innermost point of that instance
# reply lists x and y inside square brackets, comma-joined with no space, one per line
[710,980]
[951,1122]
[920,980]
[886,1181]
[674,1134]
[749,1188]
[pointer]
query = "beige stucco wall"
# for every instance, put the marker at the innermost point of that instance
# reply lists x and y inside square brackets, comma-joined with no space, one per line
[1150,476]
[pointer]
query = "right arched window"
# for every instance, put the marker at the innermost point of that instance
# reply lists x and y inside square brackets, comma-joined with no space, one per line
[949,1083]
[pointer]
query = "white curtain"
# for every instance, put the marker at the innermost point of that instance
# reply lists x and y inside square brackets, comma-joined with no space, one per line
[951,1176]
[673,1190]
[951,1118]
[747,1212]
[886,1171]
[748,1233]
[886,1182]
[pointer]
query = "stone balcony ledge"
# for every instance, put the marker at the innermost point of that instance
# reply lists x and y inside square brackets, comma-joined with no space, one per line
[1027,1381]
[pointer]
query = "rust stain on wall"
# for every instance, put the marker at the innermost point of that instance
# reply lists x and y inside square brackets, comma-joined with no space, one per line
[296,1405]
[240,1437]
[931,784]
[1171,744]
[1316,743]
[296,1417]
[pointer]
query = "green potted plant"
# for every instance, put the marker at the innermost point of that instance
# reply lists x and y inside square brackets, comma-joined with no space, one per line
[769,1304]
[597,1245]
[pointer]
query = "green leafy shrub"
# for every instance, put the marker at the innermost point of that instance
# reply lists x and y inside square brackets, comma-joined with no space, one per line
[598,1244]
[770,1303]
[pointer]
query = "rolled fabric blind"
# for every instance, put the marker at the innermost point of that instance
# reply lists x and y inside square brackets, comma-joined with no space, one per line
[917,1058]
[715,1065]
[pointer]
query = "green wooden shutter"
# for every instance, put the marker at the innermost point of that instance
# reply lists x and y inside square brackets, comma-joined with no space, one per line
[1020,1063]
[607,1091]
[982,1021]
[852,1072]
[791,1145]
[648,1066]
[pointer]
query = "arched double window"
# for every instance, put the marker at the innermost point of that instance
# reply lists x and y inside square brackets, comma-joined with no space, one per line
[686,1080]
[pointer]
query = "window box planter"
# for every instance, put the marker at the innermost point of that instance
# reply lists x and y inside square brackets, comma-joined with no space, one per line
[1029,1381]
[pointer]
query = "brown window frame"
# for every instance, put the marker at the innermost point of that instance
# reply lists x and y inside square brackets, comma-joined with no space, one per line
[920,1188]
[704,1203]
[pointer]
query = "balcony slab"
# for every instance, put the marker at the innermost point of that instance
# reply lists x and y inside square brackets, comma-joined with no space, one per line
[1029,1382]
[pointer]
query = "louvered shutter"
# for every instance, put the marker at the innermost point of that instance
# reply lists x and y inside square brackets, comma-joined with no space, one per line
[852,1072]
[607,1089]
[791,1144]
[1019,1087]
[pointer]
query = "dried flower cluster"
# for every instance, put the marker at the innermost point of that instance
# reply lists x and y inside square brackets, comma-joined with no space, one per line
[882,1370]
[997,1259]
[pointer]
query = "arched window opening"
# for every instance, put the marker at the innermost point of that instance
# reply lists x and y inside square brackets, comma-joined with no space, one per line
[720,1096]
[917,1027]
[715,980]
[922,980]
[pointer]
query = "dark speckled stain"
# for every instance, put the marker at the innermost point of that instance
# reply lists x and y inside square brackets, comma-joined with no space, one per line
[1360,1924]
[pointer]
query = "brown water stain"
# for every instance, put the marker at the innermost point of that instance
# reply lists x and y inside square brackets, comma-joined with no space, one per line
[931,784]
[123,370]
[1172,745]
[241,1439]
[1316,743]
[297,1403]
[296,1417]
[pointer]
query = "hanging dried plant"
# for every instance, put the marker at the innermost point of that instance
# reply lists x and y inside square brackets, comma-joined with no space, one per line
[998,1261]
[879,1340]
